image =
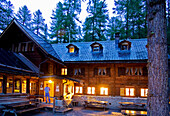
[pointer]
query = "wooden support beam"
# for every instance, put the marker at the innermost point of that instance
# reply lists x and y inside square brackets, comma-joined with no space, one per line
[4,84]
[28,86]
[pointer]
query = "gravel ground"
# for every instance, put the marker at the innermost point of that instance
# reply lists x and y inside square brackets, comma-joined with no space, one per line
[77,111]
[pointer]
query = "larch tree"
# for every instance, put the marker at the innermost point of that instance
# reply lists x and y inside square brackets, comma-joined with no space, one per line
[24,16]
[157,101]
[38,23]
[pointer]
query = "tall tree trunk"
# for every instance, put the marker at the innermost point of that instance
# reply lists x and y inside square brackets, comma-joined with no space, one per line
[157,59]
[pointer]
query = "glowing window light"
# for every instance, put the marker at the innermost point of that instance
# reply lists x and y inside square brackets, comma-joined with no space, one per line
[77,89]
[71,49]
[93,90]
[127,91]
[88,90]
[144,92]
[81,90]
[64,71]
[132,91]
[103,91]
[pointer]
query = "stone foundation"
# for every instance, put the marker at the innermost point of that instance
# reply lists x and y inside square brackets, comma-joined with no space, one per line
[113,102]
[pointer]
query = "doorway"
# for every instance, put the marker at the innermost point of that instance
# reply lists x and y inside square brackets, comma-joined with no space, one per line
[51,86]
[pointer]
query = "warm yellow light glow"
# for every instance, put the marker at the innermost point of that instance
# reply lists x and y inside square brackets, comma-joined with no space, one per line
[143,112]
[64,71]
[79,90]
[144,92]
[71,49]
[7,85]
[90,90]
[130,91]
[50,81]
[103,91]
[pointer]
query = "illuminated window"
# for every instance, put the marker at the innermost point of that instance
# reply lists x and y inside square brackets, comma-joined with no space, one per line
[71,49]
[102,71]
[24,86]
[1,84]
[143,92]
[103,91]
[17,86]
[64,71]
[77,71]
[129,91]
[9,84]
[90,90]
[79,90]
[32,88]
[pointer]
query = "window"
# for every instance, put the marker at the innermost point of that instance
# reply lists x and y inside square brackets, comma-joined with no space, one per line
[96,48]
[71,49]
[143,92]
[129,71]
[9,84]
[124,47]
[90,90]
[1,84]
[138,71]
[64,71]
[127,92]
[24,86]
[32,88]
[17,86]
[102,71]
[77,71]
[79,90]
[103,91]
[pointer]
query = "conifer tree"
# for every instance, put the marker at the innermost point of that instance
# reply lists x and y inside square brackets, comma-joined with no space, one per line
[24,16]
[38,23]
[95,24]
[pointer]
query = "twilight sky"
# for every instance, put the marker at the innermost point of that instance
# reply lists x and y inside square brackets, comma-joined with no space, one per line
[46,7]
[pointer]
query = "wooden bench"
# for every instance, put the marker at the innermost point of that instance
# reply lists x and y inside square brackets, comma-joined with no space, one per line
[95,104]
[132,106]
[21,106]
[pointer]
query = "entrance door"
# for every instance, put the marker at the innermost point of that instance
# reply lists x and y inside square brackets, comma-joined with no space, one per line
[51,86]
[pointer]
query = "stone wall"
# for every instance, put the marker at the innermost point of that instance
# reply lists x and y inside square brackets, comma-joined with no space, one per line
[113,102]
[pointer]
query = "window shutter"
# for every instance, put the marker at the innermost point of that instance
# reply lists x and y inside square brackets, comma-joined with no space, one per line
[121,71]
[108,72]
[70,72]
[83,71]
[145,71]
[95,71]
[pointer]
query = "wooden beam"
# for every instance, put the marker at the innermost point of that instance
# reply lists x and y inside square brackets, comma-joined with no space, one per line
[4,84]
[28,86]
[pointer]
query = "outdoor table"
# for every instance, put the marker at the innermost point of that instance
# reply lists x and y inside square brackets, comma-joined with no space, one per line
[132,105]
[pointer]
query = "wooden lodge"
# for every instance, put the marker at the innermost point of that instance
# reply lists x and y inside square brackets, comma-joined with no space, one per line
[105,68]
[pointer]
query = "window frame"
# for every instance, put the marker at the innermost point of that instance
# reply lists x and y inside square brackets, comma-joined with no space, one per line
[102,69]
[71,49]
[91,91]
[78,70]
[106,91]
[63,71]
[125,91]
[80,91]
[145,95]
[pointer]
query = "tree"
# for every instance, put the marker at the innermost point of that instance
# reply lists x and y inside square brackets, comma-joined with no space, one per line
[96,23]
[133,12]
[24,16]
[64,17]
[38,23]
[6,13]
[157,104]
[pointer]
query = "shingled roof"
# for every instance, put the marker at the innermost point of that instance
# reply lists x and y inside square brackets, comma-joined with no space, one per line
[138,51]
[38,40]
[10,61]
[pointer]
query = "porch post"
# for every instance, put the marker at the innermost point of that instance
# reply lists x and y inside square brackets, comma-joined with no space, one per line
[4,84]
[28,86]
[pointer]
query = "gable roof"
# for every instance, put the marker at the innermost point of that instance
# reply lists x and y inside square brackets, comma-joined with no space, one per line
[10,61]
[45,46]
[110,53]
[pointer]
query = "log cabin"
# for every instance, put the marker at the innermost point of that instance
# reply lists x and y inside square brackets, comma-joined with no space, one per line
[101,68]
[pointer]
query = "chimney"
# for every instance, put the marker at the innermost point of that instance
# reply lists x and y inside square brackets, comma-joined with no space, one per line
[117,36]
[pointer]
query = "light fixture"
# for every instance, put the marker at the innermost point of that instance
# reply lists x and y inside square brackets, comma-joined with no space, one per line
[50,81]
